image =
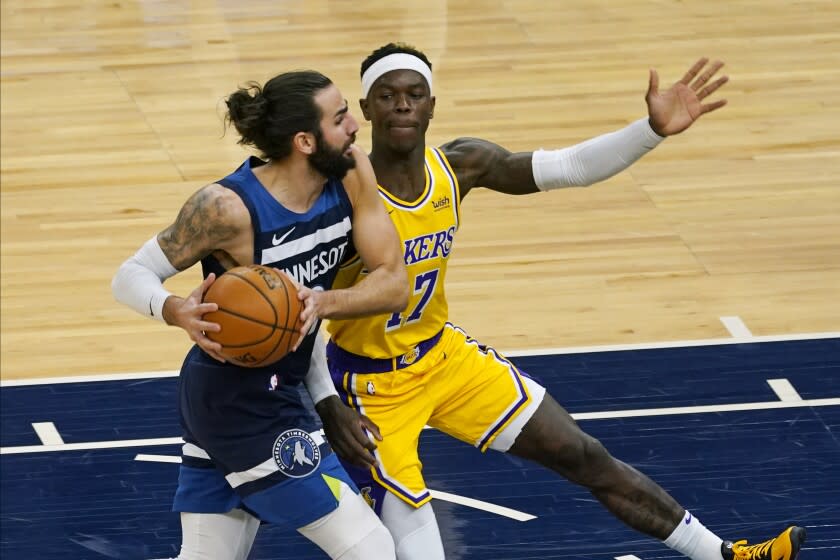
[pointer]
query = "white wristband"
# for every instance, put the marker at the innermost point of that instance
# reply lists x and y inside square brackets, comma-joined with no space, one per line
[138,282]
[594,160]
[318,381]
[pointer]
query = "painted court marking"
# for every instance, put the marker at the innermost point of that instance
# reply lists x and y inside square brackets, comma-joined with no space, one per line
[784,390]
[508,353]
[445,496]
[158,458]
[736,327]
[47,433]
[632,413]
[484,506]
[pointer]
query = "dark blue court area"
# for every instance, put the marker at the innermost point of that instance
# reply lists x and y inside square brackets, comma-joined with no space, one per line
[756,458]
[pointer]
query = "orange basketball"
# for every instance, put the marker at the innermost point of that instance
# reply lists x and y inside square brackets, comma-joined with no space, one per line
[259,313]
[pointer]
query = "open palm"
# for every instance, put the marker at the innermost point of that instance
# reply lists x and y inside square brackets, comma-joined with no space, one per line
[675,109]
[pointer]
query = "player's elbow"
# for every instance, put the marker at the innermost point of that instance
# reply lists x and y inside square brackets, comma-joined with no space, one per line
[118,283]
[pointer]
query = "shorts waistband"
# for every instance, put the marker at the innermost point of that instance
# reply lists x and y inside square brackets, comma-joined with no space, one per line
[360,364]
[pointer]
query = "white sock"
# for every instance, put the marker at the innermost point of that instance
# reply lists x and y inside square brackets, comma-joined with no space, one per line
[691,538]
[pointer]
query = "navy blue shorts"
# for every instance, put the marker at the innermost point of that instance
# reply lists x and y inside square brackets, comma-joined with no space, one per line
[251,443]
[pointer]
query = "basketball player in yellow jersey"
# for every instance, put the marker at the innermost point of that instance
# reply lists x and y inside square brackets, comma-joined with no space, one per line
[408,369]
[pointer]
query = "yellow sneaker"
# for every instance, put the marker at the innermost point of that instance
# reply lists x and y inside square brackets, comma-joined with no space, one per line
[784,547]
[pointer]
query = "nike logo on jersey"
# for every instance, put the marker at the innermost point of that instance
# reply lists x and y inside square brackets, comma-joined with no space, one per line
[688,519]
[277,241]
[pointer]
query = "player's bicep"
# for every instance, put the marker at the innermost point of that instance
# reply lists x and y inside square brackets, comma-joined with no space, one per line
[480,163]
[209,220]
[374,234]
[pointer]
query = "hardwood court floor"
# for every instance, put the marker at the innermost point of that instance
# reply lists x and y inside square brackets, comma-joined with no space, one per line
[111,118]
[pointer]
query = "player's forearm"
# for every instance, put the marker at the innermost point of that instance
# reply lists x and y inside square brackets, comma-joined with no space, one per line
[594,160]
[138,282]
[384,290]
[317,380]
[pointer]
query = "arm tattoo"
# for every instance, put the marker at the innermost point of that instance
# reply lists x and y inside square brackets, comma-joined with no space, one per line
[202,225]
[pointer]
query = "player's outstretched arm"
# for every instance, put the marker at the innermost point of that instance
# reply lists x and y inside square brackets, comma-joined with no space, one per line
[210,220]
[385,288]
[479,163]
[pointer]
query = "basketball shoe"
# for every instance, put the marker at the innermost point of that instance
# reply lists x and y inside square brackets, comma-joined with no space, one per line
[784,547]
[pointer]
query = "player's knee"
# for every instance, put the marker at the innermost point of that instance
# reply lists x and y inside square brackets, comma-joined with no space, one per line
[583,460]
[377,545]
[415,530]
[351,531]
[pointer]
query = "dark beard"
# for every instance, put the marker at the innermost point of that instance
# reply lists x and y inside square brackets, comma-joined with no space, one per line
[328,161]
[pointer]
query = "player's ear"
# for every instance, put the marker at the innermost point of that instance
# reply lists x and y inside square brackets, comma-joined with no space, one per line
[304,142]
[432,112]
[363,105]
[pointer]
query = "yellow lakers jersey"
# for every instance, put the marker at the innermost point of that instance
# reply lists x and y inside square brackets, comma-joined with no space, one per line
[426,228]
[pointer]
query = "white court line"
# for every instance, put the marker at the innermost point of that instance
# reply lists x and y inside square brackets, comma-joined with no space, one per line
[627,557]
[91,445]
[736,327]
[704,409]
[47,433]
[577,416]
[511,354]
[158,458]
[784,390]
[436,494]
[484,506]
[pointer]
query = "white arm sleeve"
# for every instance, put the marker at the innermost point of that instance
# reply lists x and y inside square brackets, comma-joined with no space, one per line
[138,282]
[318,381]
[594,160]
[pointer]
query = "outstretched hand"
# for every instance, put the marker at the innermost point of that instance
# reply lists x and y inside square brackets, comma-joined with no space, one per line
[675,109]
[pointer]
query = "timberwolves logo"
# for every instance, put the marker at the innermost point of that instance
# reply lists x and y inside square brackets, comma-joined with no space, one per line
[296,453]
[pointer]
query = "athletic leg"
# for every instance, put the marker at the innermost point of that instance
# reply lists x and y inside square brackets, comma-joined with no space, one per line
[553,439]
[415,530]
[351,531]
[215,536]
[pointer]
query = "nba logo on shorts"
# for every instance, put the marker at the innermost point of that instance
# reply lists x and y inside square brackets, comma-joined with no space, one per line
[296,453]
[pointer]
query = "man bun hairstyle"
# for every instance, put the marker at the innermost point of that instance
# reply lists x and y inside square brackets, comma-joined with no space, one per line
[268,117]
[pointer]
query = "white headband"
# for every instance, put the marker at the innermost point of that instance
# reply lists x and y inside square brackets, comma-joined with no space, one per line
[396,61]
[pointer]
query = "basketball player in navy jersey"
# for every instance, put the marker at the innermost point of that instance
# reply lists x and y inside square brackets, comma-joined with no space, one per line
[250,443]
[414,368]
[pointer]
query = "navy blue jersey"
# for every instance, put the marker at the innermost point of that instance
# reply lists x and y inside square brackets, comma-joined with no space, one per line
[235,415]
[308,247]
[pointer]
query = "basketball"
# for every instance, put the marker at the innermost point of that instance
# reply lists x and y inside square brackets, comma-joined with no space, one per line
[259,313]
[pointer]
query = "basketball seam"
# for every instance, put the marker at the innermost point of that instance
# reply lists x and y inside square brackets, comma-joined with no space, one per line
[258,341]
[275,327]
[284,328]
[265,297]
